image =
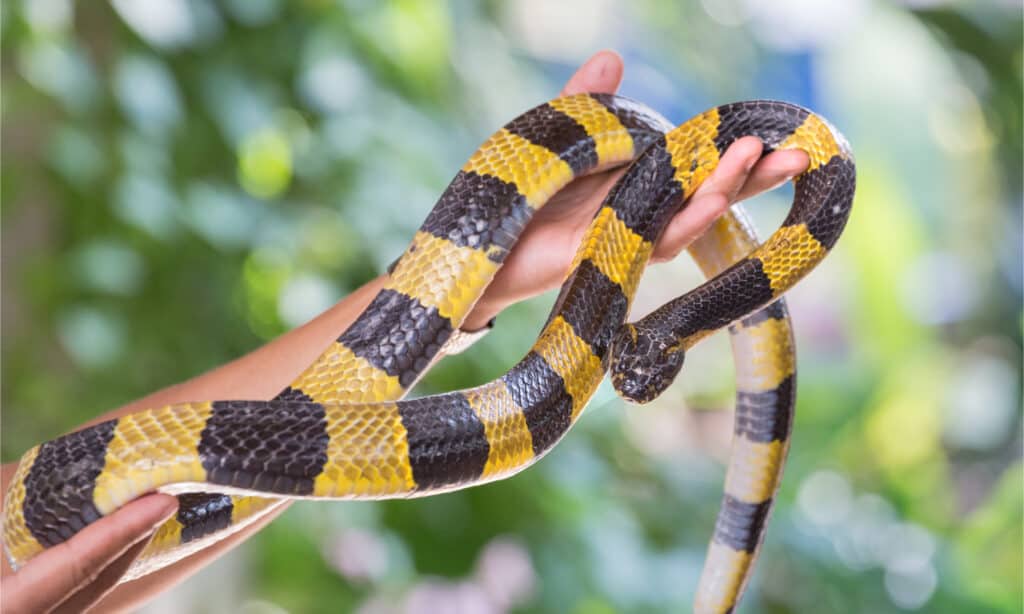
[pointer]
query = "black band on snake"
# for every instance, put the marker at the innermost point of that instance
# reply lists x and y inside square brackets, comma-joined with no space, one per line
[339,431]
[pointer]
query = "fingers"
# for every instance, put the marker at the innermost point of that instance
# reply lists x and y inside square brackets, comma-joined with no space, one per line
[95,547]
[711,199]
[686,227]
[50,577]
[104,582]
[733,169]
[602,73]
[739,175]
[775,169]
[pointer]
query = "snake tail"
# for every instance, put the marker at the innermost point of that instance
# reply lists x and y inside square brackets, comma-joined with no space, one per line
[765,357]
[745,298]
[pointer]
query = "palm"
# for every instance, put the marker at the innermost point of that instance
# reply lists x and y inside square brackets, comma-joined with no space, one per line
[546,248]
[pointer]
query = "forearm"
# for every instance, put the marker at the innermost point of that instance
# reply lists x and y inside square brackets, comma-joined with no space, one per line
[260,374]
[267,370]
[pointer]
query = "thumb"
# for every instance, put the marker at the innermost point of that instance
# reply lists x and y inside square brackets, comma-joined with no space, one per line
[601,73]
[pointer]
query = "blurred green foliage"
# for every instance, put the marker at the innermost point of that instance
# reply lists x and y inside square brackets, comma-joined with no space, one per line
[183,180]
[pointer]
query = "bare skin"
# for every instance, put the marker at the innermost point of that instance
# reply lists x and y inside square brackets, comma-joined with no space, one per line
[83,572]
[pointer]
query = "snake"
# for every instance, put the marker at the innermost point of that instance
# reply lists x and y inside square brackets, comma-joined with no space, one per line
[341,429]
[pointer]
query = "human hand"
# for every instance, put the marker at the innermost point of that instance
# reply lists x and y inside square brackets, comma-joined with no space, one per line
[72,576]
[539,260]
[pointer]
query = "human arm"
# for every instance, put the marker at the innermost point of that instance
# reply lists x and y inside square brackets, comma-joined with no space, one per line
[537,263]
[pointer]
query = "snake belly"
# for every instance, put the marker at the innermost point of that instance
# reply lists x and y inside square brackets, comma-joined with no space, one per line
[326,437]
[765,357]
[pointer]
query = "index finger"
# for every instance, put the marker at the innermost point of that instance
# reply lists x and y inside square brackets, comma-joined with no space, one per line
[59,571]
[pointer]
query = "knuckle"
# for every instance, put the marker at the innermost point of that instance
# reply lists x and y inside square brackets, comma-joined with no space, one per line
[84,567]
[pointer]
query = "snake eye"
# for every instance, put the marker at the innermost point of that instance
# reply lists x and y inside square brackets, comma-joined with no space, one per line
[644,363]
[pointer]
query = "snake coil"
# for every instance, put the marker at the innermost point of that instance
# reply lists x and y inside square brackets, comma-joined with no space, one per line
[339,431]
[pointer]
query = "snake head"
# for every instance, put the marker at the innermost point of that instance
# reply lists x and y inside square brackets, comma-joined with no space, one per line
[644,362]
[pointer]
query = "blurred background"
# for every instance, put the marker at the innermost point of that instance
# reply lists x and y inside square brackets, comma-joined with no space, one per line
[185,179]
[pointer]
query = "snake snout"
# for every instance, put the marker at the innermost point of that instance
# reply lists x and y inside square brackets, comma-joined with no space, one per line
[644,363]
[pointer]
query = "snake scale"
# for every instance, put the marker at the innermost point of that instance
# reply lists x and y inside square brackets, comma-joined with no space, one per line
[340,432]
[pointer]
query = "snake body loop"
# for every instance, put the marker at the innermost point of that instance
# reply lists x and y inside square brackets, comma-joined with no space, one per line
[340,432]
